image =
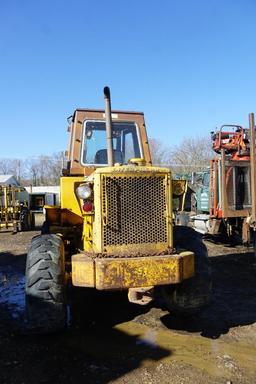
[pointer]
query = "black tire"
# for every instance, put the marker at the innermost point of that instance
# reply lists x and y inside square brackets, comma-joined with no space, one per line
[45,285]
[45,228]
[193,294]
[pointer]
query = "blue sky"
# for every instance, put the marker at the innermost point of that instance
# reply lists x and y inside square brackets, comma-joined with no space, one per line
[188,65]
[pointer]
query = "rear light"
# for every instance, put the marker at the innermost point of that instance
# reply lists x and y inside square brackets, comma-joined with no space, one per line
[88,206]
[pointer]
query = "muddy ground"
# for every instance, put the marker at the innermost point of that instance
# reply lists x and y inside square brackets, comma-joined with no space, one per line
[113,341]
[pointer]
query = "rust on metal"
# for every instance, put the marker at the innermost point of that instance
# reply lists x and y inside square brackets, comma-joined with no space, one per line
[124,273]
[83,271]
[141,296]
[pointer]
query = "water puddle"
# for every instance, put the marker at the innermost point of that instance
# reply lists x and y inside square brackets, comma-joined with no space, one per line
[130,341]
[12,285]
[149,339]
[216,357]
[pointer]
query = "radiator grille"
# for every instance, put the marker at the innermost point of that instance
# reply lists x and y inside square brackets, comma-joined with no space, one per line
[134,210]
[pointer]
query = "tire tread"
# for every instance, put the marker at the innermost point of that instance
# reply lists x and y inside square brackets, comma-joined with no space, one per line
[45,299]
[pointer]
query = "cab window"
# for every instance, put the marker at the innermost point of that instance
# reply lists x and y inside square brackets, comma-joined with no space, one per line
[126,143]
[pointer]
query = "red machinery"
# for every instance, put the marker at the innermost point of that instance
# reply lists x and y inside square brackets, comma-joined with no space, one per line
[232,186]
[236,142]
[232,179]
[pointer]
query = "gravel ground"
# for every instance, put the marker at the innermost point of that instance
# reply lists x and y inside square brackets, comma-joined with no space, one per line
[113,341]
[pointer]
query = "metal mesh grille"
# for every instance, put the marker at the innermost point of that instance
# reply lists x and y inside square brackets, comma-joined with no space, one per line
[134,209]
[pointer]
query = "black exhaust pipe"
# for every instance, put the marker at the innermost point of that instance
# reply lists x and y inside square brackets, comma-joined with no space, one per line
[108,126]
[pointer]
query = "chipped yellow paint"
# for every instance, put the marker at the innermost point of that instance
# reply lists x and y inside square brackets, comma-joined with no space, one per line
[124,273]
[83,271]
[188,265]
[87,232]
[69,200]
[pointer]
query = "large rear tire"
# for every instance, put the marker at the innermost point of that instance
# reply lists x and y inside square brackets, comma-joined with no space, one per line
[45,285]
[193,294]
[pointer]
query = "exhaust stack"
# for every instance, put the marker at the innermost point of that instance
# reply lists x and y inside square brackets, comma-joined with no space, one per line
[108,126]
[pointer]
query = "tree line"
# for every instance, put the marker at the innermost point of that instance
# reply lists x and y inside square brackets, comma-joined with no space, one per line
[43,170]
[191,155]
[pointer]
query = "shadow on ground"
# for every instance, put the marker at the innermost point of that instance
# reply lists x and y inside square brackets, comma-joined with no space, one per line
[233,302]
[91,350]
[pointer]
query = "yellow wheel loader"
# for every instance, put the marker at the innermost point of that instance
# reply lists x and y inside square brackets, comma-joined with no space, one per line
[114,227]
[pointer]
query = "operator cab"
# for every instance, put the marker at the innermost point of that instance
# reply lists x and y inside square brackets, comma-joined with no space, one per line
[88,140]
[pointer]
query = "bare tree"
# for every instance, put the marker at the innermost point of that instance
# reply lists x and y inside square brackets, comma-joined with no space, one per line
[192,154]
[4,166]
[33,171]
[56,167]
[44,170]
[13,167]
[159,153]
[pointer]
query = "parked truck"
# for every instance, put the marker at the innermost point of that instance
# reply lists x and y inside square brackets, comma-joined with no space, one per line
[114,227]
